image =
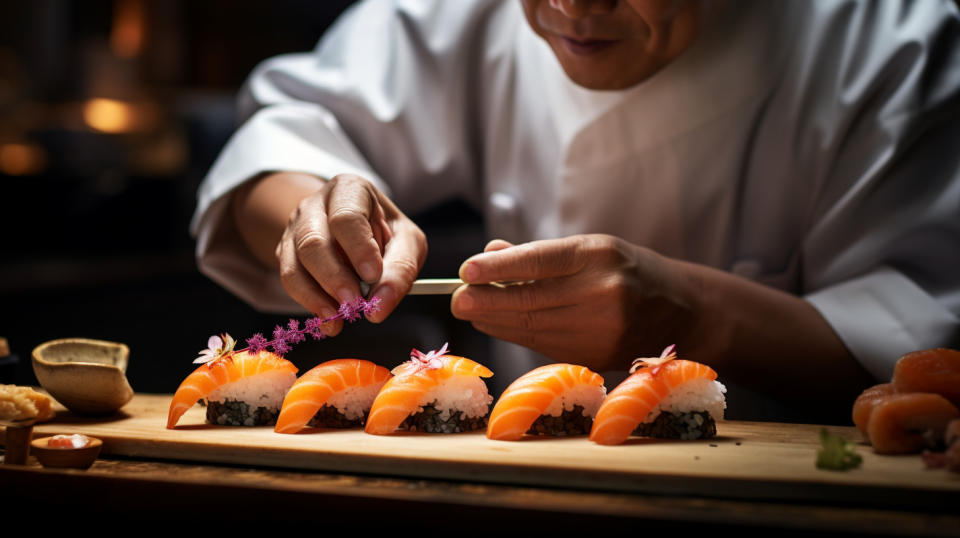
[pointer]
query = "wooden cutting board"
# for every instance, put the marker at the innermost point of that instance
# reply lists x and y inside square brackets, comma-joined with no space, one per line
[746,460]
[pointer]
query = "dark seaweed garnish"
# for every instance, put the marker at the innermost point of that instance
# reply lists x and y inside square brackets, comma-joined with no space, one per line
[571,422]
[429,421]
[237,413]
[328,417]
[689,425]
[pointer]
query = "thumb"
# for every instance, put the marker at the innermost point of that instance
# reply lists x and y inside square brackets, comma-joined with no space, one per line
[528,261]
[497,244]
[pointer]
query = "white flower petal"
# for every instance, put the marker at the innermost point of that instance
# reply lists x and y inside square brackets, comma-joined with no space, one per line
[214,343]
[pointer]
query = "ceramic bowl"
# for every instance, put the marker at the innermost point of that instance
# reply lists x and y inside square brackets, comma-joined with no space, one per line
[75,458]
[86,376]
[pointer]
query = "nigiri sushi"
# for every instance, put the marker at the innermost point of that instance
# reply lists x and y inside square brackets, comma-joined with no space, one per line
[912,411]
[556,399]
[432,392]
[864,404]
[910,422]
[930,370]
[241,388]
[664,397]
[334,394]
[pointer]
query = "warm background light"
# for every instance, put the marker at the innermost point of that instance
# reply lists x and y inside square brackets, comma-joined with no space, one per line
[127,32]
[22,159]
[115,117]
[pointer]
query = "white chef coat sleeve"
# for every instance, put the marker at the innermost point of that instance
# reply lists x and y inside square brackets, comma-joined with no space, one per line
[384,95]
[883,258]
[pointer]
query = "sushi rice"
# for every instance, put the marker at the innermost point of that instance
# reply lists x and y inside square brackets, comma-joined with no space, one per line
[434,393]
[354,402]
[250,401]
[689,407]
[700,394]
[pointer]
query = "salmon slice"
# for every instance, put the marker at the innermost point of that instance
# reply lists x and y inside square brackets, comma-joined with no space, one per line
[527,398]
[211,376]
[864,404]
[401,395]
[930,370]
[320,383]
[632,401]
[908,423]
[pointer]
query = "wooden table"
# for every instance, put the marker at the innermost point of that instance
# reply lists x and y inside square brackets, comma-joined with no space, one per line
[144,485]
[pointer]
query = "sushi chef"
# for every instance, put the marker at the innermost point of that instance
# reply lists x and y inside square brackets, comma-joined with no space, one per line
[773,186]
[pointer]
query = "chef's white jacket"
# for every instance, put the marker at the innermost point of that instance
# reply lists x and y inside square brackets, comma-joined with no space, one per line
[810,146]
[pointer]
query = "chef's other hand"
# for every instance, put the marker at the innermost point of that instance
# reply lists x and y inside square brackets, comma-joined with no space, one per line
[345,229]
[594,300]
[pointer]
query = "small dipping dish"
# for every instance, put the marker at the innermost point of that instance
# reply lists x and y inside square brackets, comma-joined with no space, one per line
[17,441]
[73,458]
[86,376]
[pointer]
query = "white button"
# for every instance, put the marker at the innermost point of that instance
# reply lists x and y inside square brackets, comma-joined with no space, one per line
[503,203]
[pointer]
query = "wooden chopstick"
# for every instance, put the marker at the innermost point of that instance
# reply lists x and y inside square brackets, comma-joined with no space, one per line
[439,286]
[435,286]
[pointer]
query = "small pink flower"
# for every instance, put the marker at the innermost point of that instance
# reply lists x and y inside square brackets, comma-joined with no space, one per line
[216,348]
[430,360]
[669,353]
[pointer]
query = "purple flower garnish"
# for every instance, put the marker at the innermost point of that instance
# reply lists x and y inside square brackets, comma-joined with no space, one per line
[313,327]
[294,335]
[256,343]
[372,305]
[351,311]
[280,347]
[284,337]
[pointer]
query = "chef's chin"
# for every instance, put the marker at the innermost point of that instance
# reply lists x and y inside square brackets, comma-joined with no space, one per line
[609,65]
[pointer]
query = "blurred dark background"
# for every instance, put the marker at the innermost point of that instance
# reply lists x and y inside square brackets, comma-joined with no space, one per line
[111,113]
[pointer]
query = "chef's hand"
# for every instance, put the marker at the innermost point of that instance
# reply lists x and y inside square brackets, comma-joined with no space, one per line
[599,301]
[337,230]
[594,300]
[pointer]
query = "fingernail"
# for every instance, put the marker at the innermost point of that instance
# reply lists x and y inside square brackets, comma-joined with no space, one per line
[386,296]
[345,295]
[368,272]
[329,329]
[470,272]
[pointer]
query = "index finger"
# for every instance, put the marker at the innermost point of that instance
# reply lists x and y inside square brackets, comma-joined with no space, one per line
[352,212]
[318,254]
[402,262]
[536,260]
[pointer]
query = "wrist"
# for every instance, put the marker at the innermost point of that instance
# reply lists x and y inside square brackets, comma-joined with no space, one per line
[706,330]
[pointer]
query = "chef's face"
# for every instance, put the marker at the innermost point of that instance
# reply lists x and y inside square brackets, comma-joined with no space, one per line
[614,44]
